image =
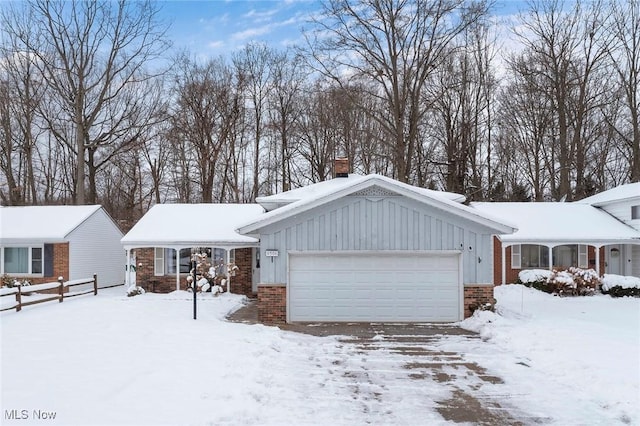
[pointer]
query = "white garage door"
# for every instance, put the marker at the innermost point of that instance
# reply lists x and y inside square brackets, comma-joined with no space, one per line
[370,287]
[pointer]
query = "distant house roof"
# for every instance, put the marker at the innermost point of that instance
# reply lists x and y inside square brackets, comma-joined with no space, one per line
[272,202]
[560,223]
[619,193]
[320,195]
[33,224]
[193,225]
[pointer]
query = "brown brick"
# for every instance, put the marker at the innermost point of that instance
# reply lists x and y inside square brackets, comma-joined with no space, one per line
[272,304]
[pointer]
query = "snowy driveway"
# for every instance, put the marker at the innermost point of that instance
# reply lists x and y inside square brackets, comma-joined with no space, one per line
[385,363]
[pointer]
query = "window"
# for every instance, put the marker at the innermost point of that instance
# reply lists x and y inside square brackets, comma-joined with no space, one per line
[22,260]
[529,256]
[164,261]
[566,256]
[635,212]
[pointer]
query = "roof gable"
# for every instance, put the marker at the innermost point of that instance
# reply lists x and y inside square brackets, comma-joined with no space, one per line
[377,186]
[281,199]
[31,224]
[629,191]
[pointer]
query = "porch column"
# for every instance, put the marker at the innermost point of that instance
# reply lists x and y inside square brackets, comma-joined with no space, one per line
[127,268]
[550,258]
[597,259]
[228,270]
[504,263]
[177,269]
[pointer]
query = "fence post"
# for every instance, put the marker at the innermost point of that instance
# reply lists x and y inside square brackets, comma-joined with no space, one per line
[95,284]
[19,299]
[61,288]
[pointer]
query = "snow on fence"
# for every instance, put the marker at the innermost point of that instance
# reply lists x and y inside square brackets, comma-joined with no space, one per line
[59,285]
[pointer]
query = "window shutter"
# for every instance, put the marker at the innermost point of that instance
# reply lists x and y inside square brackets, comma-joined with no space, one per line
[158,261]
[515,257]
[48,260]
[583,258]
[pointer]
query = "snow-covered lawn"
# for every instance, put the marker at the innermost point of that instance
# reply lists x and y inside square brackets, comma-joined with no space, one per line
[115,360]
[572,360]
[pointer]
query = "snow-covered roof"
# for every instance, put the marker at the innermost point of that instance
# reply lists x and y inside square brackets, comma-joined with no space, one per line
[193,225]
[33,224]
[619,193]
[329,192]
[561,223]
[315,190]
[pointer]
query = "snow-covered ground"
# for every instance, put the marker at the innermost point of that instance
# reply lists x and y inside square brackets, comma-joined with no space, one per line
[109,359]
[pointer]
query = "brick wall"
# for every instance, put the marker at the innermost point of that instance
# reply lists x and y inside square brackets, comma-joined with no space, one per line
[146,279]
[241,283]
[477,294]
[272,303]
[60,266]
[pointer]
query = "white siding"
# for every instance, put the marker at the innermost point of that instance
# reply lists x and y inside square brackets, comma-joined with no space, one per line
[95,248]
[622,211]
[635,260]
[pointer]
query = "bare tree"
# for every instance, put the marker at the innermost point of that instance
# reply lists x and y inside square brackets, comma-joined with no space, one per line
[395,44]
[625,58]
[91,55]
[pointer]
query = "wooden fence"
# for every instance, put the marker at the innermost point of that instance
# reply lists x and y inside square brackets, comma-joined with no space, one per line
[60,285]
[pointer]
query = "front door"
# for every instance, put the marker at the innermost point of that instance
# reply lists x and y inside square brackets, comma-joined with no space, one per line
[614,259]
[255,269]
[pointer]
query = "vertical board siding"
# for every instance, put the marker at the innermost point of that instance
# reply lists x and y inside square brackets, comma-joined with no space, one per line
[377,223]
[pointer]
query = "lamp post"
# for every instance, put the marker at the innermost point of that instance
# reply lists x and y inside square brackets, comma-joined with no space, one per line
[194,265]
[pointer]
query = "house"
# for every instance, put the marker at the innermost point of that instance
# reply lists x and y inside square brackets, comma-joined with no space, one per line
[370,248]
[42,243]
[600,232]
[159,246]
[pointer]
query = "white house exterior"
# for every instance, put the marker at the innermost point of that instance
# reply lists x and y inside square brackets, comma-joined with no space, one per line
[42,243]
[623,203]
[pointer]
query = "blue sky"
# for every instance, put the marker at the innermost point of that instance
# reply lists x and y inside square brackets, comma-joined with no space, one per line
[217,27]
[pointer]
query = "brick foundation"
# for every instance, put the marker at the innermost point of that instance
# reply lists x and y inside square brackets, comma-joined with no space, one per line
[477,294]
[241,283]
[272,303]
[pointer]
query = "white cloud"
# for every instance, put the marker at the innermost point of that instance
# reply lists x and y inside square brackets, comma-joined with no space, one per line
[215,44]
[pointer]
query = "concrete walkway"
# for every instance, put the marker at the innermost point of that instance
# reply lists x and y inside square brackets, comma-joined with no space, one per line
[471,388]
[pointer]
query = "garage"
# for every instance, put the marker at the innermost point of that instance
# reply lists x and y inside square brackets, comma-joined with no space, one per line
[366,287]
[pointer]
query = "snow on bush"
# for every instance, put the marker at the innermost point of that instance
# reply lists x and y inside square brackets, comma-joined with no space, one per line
[533,275]
[571,282]
[619,286]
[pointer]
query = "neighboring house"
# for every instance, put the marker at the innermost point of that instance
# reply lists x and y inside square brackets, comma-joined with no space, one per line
[159,245]
[623,203]
[370,248]
[599,232]
[42,243]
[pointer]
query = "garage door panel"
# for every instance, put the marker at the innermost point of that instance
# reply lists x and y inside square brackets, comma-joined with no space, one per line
[374,287]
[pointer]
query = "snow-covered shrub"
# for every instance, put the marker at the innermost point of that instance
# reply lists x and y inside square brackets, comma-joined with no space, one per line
[134,291]
[479,306]
[620,286]
[571,282]
[536,278]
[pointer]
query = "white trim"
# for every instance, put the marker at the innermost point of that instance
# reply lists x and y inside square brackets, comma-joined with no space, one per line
[29,248]
[409,191]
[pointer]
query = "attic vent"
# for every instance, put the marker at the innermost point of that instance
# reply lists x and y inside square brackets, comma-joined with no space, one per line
[374,191]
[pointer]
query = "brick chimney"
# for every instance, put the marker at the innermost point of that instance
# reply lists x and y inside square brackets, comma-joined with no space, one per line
[341,167]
